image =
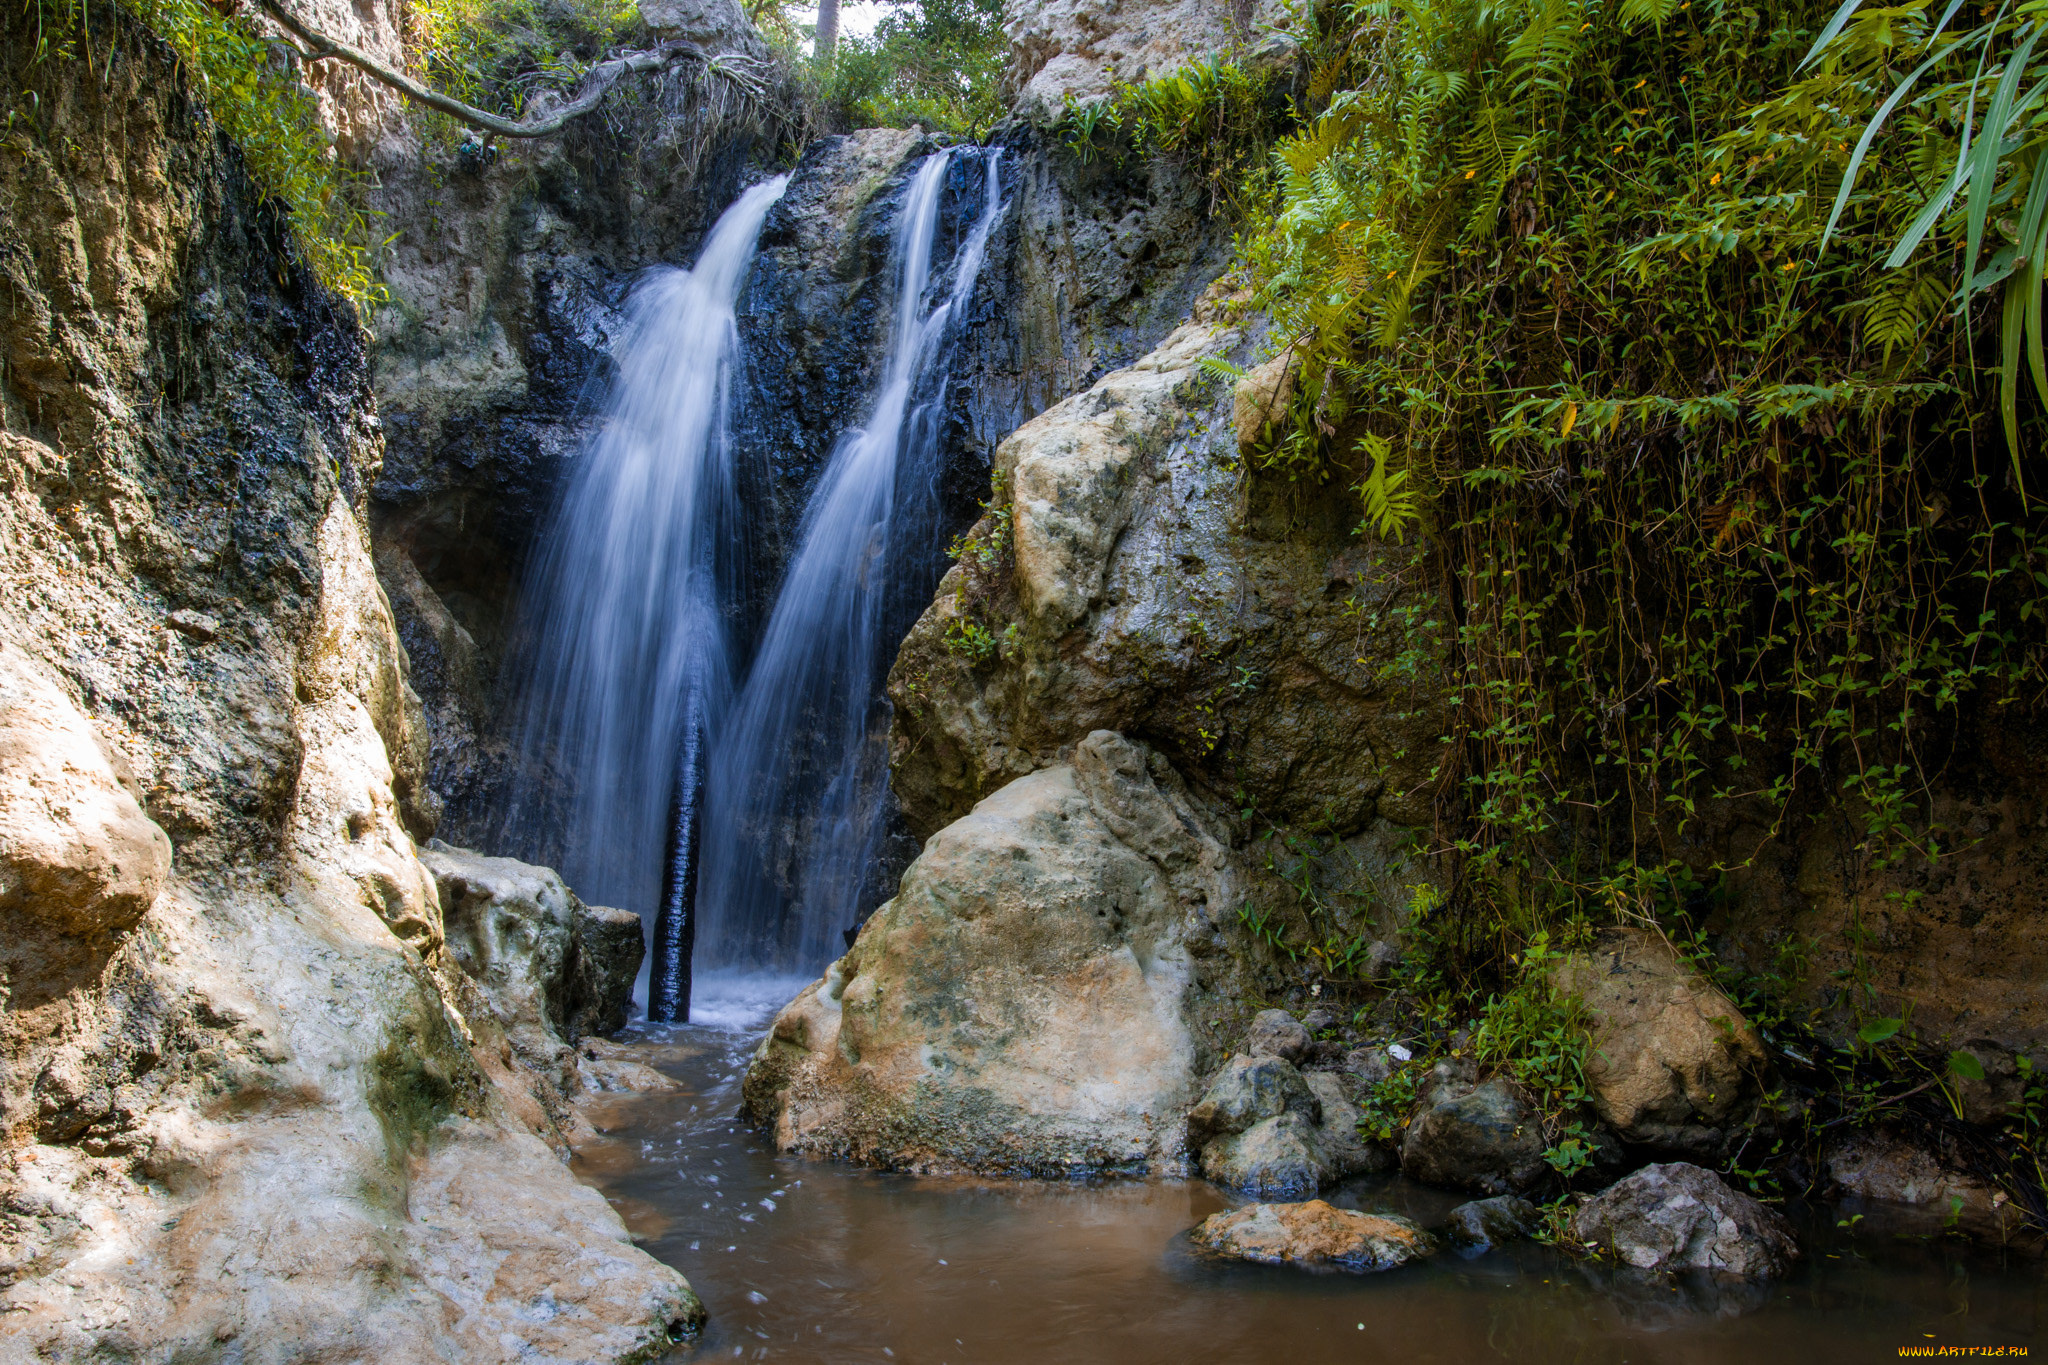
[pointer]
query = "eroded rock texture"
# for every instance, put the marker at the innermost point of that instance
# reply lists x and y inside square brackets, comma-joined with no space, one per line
[239,1111]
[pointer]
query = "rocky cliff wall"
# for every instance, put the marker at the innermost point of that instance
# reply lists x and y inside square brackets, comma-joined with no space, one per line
[239,1113]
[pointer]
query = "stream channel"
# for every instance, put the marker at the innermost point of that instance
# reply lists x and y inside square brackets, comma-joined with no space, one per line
[812,1261]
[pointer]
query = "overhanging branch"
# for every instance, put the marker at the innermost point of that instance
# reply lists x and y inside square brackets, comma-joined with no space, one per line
[591,93]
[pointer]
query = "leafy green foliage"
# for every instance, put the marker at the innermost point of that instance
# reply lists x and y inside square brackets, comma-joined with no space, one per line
[497,54]
[934,63]
[263,107]
[1219,116]
[1961,112]
[1709,507]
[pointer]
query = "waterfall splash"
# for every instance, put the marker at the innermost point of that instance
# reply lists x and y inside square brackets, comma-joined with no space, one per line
[628,639]
[799,772]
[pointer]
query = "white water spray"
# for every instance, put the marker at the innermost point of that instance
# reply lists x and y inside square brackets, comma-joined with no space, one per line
[798,774]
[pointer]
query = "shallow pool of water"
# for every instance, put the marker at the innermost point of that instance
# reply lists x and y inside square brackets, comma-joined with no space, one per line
[808,1261]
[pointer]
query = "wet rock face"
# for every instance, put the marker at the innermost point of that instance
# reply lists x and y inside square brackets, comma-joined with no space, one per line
[548,963]
[247,1111]
[1679,1217]
[1134,577]
[1493,1222]
[1484,1138]
[1672,1064]
[1023,1004]
[1314,1235]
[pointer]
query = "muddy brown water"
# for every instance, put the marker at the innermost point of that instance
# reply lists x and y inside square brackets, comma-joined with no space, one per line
[811,1261]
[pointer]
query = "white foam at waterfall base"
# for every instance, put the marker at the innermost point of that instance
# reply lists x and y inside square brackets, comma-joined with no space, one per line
[635,574]
[741,1002]
[798,776]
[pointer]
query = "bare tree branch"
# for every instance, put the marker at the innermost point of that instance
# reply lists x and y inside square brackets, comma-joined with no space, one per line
[601,78]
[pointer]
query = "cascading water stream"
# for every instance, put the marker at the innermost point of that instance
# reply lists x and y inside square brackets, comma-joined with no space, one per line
[627,643]
[798,775]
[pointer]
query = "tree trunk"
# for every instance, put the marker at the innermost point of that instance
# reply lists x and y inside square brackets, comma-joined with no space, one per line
[828,29]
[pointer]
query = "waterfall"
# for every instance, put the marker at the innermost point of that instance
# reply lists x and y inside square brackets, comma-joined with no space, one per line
[625,648]
[798,774]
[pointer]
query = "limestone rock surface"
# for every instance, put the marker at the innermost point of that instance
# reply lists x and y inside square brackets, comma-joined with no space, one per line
[1247,1090]
[1886,1167]
[78,858]
[1068,49]
[1020,1004]
[1135,580]
[1677,1216]
[608,949]
[1673,1064]
[1276,1158]
[250,1123]
[1316,1235]
[1276,1033]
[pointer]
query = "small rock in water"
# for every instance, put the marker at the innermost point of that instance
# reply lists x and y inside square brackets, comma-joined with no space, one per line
[1279,1157]
[1276,1033]
[1677,1216]
[1487,1223]
[1315,1234]
[1247,1090]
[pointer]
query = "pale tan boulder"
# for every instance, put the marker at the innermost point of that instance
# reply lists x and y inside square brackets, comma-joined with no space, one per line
[77,855]
[1673,1064]
[1021,1004]
[1259,403]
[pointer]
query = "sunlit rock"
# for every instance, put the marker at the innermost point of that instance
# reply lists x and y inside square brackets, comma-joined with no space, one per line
[1019,1006]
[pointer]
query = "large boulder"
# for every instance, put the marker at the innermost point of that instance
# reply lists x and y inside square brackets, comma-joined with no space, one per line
[552,968]
[1679,1217]
[1276,1158]
[1246,1091]
[1021,1004]
[1347,1153]
[1485,1223]
[1315,1234]
[1673,1064]
[511,926]
[1266,1129]
[1484,1138]
[1134,579]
